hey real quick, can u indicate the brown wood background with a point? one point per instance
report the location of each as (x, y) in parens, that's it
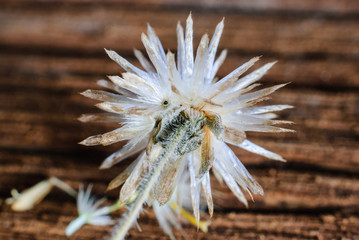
(52, 50)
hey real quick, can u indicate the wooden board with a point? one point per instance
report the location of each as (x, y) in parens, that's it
(50, 50)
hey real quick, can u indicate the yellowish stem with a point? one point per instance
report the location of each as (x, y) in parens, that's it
(203, 225)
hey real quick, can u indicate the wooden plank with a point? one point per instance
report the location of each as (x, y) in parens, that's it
(319, 73)
(77, 30)
(53, 216)
(286, 188)
(328, 6)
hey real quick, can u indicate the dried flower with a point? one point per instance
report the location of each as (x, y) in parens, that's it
(179, 118)
(89, 212)
(28, 198)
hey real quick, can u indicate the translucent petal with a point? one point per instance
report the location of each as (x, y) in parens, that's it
(195, 187)
(206, 186)
(156, 59)
(231, 183)
(245, 98)
(121, 178)
(132, 182)
(207, 154)
(188, 64)
(125, 64)
(162, 220)
(114, 87)
(108, 138)
(143, 60)
(101, 117)
(217, 64)
(265, 109)
(212, 51)
(234, 136)
(252, 77)
(166, 182)
(180, 50)
(200, 64)
(251, 147)
(104, 96)
(228, 80)
(132, 147)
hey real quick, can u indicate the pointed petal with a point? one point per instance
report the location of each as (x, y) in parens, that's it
(263, 128)
(265, 109)
(252, 77)
(251, 147)
(156, 42)
(188, 66)
(212, 50)
(132, 147)
(103, 96)
(156, 59)
(161, 218)
(180, 50)
(132, 182)
(207, 155)
(234, 136)
(195, 188)
(112, 86)
(199, 64)
(124, 63)
(144, 62)
(120, 108)
(252, 96)
(217, 64)
(206, 186)
(101, 117)
(108, 138)
(121, 178)
(231, 183)
(231, 78)
(167, 181)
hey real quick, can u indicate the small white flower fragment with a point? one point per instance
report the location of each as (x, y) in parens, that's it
(27, 199)
(180, 119)
(89, 212)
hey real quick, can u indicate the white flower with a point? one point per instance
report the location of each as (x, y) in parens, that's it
(182, 117)
(89, 212)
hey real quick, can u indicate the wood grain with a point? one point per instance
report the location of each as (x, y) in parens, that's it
(50, 50)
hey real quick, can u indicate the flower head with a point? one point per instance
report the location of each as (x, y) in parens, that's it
(89, 212)
(180, 118)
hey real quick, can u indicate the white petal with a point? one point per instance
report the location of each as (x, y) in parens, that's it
(231, 183)
(252, 77)
(195, 187)
(212, 51)
(228, 80)
(206, 185)
(251, 147)
(180, 50)
(188, 66)
(125, 64)
(265, 109)
(75, 225)
(217, 64)
(143, 60)
(162, 220)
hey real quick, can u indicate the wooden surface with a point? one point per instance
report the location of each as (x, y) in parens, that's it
(51, 50)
